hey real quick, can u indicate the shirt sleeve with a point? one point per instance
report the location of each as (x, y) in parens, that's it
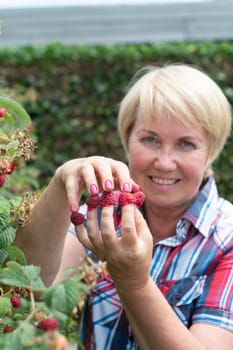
(215, 305)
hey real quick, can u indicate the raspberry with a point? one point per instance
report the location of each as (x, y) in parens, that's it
(77, 218)
(8, 329)
(109, 198)
(49, 324)
(2, 180)
(2, 112)
(126, 198)
(92, 201)
(15, 301)
(139, 198)
(7, 167)
(18, 290)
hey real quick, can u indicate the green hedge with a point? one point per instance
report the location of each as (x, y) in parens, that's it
(72, 94)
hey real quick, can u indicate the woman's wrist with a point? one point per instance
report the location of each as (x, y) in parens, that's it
(133, 288)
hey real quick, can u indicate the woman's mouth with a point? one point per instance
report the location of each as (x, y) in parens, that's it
(161, 181)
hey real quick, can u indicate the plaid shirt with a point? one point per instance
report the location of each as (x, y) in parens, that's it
(193, 270)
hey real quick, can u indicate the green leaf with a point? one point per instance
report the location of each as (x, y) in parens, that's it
(7, 123)
(3, 256)
(5, 305)
(27, 335)
(13, 278)
(31, 271)
(63, 296)
(16, 115)
(4, 206)
(12, 341)
(9, 342)
(22, 276)
(16, 254)
(4, 217)
(7, 235)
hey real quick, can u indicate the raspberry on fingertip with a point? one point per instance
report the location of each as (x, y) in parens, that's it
(126, 198)
(77, 218)
(92, 201)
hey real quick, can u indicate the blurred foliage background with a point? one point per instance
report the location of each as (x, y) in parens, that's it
(72, 95)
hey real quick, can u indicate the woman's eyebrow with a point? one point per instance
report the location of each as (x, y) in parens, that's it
(182, 137)
(149, 131)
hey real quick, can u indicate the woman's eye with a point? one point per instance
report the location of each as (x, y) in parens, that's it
(149, 139)
(187, 145)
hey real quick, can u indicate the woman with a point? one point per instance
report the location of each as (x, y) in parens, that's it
(170, 282)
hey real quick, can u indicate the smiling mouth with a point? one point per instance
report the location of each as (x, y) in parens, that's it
(160, 181)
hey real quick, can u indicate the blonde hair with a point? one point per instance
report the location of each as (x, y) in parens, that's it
(187, 93)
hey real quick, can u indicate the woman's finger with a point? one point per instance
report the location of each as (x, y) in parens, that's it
(122, 178)
(109, 236)
(83, 237)
(129, 232)
(112, 174)
(93, 231)
(73, 192)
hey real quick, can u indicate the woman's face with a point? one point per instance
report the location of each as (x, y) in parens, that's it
(168, 160)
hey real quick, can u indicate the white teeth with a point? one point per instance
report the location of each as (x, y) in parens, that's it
(163, 181)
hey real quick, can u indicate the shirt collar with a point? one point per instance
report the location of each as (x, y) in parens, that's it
(202, 210)
(200, 214)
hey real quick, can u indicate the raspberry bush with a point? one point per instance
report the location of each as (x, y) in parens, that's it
(32, 316)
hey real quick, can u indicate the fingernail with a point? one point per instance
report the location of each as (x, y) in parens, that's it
(108, 185)
(93, 189)
(126, 187)
(73, 208)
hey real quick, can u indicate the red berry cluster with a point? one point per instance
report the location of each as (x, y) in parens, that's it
(48, 324)
(109, 198)
(8, 329)
(23, 151)
(2, 180)
(6, 168)
(15, 301)
(112, 197)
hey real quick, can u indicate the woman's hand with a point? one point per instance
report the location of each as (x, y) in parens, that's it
(128, 257)
(95, 174)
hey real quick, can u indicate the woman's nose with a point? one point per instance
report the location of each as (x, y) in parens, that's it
(165, 159)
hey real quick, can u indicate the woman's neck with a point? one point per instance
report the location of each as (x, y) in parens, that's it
(162, 223)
